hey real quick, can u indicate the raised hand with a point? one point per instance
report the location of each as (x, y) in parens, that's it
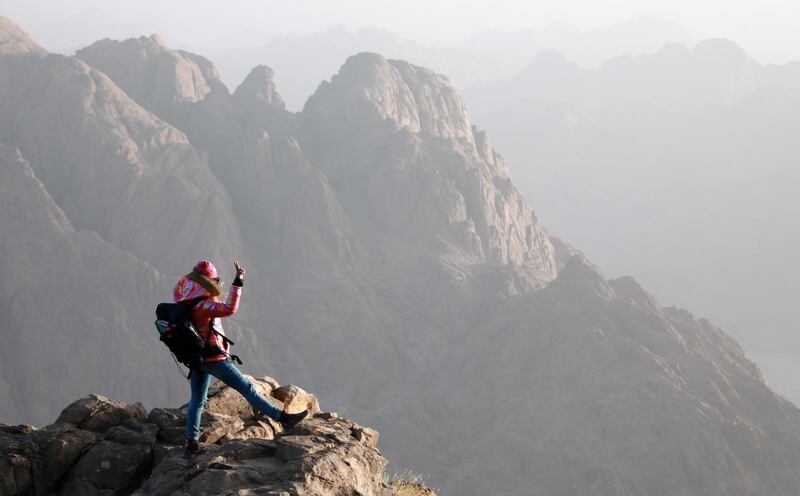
(240, 272)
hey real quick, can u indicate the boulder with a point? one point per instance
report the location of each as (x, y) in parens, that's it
(171, 423)
(256, 429)
(32, 461)
(296, 399)
(366, 435)
(228, 401)
(97, 413)
(133, 434)
(216, 426)
(109, 468)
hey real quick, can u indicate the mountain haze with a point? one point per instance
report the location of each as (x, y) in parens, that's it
(301, 62)
(393, 268)
(689, 152)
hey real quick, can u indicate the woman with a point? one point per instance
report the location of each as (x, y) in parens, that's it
(206, 315)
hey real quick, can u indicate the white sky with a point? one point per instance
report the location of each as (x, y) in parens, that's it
(768, 29)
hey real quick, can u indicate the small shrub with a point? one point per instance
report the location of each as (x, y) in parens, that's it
(409, 484)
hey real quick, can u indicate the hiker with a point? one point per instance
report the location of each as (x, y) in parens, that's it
(205, 314)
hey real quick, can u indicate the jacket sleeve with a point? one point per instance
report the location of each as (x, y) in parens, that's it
(209, 309)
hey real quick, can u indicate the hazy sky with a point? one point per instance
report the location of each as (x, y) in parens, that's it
(768, 29)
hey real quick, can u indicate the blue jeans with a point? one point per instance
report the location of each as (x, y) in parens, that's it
(227, 372)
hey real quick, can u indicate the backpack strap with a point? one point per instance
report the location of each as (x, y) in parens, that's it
(235, 358)
(194, 301)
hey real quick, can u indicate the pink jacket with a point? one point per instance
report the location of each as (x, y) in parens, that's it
(208, 311)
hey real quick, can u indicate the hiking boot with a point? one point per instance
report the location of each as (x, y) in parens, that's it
(193, 447)
(289, 420)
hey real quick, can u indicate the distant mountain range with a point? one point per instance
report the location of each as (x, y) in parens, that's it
(301, 62)
(394, 269)
(678, 166)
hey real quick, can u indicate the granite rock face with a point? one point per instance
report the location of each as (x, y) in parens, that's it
(112, 166)
(155, 76)
(55, 276)
(386, 127)
(382, 127)
(103, 447)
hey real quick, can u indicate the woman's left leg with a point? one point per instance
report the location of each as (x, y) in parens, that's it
(227, 372)
(199, 385)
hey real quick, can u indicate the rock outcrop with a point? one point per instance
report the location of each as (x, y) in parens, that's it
(99, 446)
(258, 87)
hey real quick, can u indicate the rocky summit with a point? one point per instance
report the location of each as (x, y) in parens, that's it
(102, 447)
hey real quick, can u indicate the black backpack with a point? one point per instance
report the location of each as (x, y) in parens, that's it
(175, 329)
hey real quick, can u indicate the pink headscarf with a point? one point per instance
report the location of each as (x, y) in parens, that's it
(191, 286)
(207, 269)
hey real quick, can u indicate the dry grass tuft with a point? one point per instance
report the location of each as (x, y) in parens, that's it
(409, 484)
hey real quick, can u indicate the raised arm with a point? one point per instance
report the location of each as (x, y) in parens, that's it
(211, 309)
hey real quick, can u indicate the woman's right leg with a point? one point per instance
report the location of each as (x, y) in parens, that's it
(199, 384)
(230, 375)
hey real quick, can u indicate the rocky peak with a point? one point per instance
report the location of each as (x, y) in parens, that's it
(14, 40)
(258, 86)
(151, 73)
(394, 93)
(400, 135)
(99, 446)
(157, 39)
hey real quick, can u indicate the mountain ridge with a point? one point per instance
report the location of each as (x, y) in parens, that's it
(710, 126)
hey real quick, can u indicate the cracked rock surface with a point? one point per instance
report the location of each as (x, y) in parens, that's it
(102, 447)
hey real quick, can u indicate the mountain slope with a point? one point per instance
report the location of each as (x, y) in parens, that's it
(108, 163)
(103, 171)
(72, 306)
(672, 166)
(610, 393)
